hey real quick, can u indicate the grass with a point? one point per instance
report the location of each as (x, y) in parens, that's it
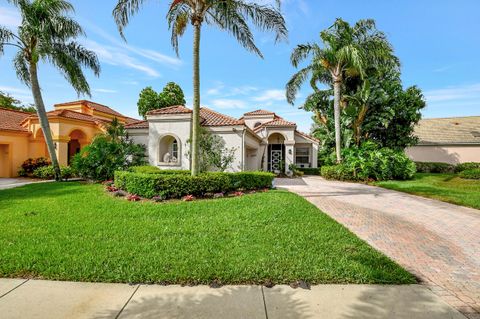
(445, 187)
(73, 231)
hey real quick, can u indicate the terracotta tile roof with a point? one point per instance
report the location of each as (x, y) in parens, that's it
(95, 106)
(138, 124)
(212, 118)
(74, 115)
(454, 130)
(259, 112)
(177, 109)
(307, 136)
(129, 120)
(11, 120)
(277, 121)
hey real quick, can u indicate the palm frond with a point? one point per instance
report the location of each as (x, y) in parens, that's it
(295, 83)
(80, 54)
(21, 68)
(178, 17)
(227, 18)
(123, 11)
(6, 36)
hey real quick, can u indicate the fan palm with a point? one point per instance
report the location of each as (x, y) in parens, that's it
(47, 34)
(230, 15)
(347, 51)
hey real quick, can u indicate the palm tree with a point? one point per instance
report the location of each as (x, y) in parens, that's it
(230, 15)
(347, 51)
(47, 34)
(357, 106)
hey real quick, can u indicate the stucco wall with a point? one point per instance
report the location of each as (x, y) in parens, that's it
(175, 125)
(233, 139)
(14, 154)
(444, 154)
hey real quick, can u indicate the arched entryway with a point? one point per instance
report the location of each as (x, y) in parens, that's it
(75, 143)
(169, 150)
(276, 153)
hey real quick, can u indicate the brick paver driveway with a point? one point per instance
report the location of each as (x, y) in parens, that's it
(436, 241)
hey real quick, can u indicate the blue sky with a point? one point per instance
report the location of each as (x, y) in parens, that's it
(437, 41)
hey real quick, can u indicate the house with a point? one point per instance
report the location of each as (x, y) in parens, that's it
(449, 140)
(72, 124)
(262, 140)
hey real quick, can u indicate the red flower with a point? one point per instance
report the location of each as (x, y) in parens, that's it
(133, 198)
(111, 189)
(188, 198)
(238, 193)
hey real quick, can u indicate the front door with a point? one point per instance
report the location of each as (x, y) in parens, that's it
(276, 158)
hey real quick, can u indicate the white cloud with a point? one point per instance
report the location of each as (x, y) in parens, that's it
(14, 90)
(9, 17)
(116, 56)
(454, 93)
(104, 91)
(270, 95)
(221, 89)
(228, 104)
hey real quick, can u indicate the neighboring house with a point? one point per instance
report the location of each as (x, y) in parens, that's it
(262, 140)
(73, 125)
(449, 140)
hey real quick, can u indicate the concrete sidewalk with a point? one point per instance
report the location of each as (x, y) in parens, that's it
(21, 298)
(6, 183)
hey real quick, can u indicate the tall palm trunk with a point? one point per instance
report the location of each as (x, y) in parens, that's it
(196, 97)
(336, 115)
(42, 115)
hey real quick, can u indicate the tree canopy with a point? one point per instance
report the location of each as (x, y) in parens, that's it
(9, 102)
(149, 99)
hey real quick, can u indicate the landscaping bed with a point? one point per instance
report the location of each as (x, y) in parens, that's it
(76, 231)
(445, 187)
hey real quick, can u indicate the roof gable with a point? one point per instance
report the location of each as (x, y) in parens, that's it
(213, 118)
(92, 105)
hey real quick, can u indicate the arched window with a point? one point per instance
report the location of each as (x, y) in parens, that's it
(257, 124)
(169, 150)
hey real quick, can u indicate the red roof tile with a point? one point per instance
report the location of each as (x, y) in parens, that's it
(11, 120)
(138, 124)
(212, 118)
(278, 121)
(258, 112)
(176, 109)
(94, 106)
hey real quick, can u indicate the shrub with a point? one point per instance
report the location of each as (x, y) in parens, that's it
(179, 185)
(470, 173)
(466, 166)
(32, 164)
(310, 170)
(105, 155)
(47, 172)
(295, 170)
(337, 172)
(147, 169)
(434, 167)
(370, 162)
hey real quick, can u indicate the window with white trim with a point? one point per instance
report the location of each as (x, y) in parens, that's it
(302, 155)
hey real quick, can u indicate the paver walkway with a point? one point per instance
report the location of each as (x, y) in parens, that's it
(6, 183)
(438, 242)
(21, 299)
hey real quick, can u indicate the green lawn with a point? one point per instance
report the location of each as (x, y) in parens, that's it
(73, 231)
(444, 187)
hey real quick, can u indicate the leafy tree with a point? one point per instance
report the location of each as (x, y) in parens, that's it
(147, 101)
(47, 33)
(108, 153)
(213, 153)
(9, 102)
(375, 109)
(231, 15)
(171, 95)
(346, 51)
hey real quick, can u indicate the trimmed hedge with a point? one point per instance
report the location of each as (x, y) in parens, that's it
(179, 185)
(309, 171)
(434, 167)
(470, 173)
(466, 166)
(47, 172)
(147, 169)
